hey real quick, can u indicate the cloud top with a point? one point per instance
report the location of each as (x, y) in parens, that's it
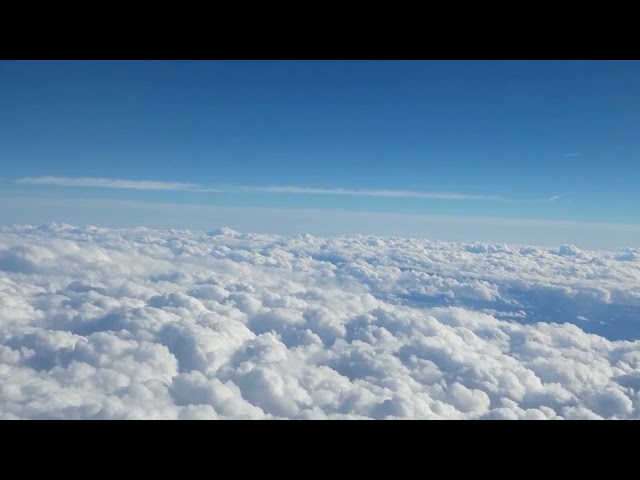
(138, 323)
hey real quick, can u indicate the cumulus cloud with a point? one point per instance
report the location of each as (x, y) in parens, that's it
(139, 323)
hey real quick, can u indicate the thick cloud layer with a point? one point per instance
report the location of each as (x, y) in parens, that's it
(103, 323)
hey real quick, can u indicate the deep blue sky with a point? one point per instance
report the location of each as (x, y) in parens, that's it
(524, 131)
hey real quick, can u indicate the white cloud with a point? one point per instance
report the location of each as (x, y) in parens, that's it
(107, 183)
(369, 193)
(157, 185)
(138, 323)
(577, 154)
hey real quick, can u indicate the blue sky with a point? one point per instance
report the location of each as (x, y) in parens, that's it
(528, 140)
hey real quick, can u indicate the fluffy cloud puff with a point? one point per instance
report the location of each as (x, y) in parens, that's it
(138, 323)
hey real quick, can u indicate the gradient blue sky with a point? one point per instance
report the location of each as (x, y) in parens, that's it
(527, 140)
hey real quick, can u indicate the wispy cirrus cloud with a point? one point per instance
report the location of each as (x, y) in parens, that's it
(369, 193)
(275, 189)
(559, 196)
(576, 154)
(108, 183)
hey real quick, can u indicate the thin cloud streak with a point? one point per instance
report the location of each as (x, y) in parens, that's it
(371, 193)
(559, 196)
(108, 183)
(192, 187)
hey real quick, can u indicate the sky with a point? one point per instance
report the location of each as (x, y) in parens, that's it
(525, 151)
